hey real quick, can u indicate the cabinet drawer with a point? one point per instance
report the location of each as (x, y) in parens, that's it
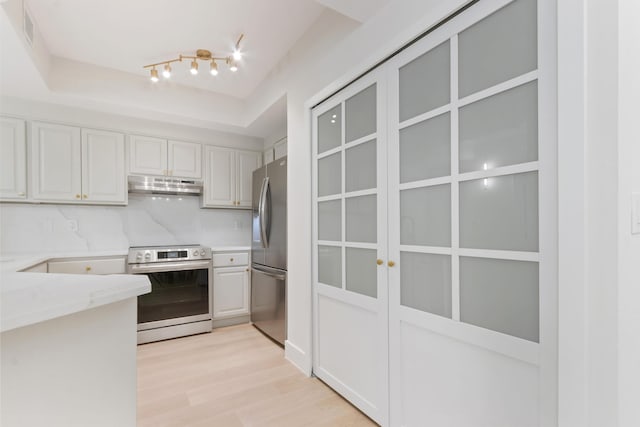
(230, 259)
(89, 266)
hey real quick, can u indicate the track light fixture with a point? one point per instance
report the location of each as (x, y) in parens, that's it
(201, 55)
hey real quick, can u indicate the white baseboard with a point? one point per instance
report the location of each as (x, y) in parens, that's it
(297, 357)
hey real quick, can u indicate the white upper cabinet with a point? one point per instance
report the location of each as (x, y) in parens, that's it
(247, 162)
(219, 177)
(156, 156)
(147, 155)
(228, 176)
(103, 167)
(185, 159)
(13, 159)
(280, 149)
(73, 165)
(56, 169)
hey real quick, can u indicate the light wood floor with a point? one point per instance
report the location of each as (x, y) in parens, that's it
(232, 377)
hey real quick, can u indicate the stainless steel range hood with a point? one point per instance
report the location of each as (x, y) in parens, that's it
(158, 185)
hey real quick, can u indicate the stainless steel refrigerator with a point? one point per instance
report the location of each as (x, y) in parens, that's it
(269, 250)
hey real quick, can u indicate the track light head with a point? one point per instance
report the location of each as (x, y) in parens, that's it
(166, 73)
(154, 75)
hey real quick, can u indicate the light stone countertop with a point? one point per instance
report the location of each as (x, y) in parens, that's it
(230, 248)
(29, 298)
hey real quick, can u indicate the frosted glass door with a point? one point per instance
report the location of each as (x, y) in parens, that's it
(350, 293)
(434, 226)
(465, 208)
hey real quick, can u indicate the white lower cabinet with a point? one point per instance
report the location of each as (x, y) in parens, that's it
(230, 289)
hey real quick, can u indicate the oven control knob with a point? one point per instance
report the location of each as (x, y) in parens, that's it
(139, 256)
(202, 252)
(147, 255)
(195, 252)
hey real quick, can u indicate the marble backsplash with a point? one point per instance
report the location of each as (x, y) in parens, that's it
(147, 220)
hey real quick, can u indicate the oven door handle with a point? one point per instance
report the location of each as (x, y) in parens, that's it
(168, 266)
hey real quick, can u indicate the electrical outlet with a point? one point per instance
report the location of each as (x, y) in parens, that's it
(72, 224)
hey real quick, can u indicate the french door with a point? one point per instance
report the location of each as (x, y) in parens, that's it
(350, 235)
(444, 312)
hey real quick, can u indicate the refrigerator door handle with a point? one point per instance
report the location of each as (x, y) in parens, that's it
(262, 213)
(278, 276)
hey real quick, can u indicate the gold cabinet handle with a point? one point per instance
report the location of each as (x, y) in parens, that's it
(87, 269)
(77, 196)
(379, 262)
(391, 263)
(230, 259)
(84, 196)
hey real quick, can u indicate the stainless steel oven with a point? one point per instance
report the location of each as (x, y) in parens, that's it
(180, 301)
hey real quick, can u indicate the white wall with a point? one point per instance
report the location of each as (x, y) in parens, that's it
(599, 168)
(628, 244)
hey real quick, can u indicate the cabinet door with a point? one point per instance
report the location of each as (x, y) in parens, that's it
(103, 167)
(13, 159)
(55, 162)
(185, 159)
(147, 155)
(280, 149)
(247, 162)
(230, 292)
(219, 177)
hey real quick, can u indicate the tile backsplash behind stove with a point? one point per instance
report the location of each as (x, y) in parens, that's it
(146, 221)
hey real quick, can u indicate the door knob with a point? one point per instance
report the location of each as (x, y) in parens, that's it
(77, 196)
(391, 263)
(87, 269)
(379, 262)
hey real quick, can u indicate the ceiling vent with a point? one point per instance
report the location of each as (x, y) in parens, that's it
(29, 27)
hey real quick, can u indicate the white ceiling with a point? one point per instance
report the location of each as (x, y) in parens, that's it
(125, 35)
(91, 42)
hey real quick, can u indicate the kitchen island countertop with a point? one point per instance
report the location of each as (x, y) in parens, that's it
(29, 298)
